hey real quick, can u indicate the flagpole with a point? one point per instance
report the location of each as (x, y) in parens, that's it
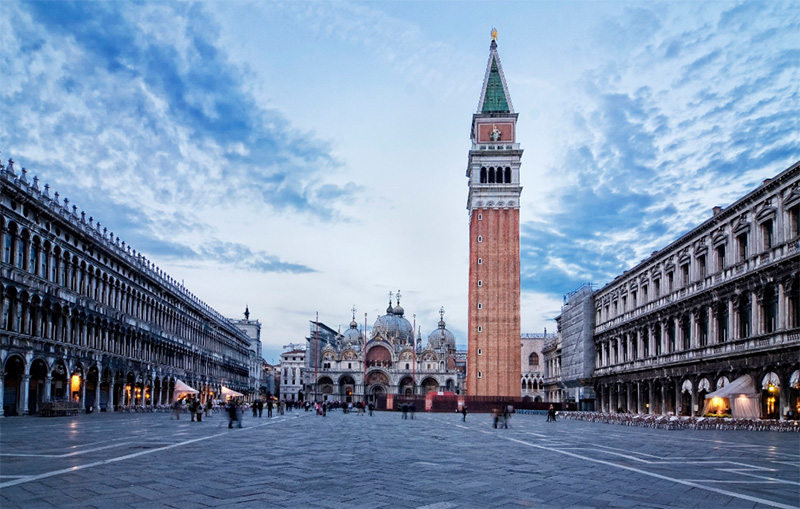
(316, 351)
(364, 357)
(414, 357)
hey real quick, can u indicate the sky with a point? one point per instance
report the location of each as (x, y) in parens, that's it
(310, 157)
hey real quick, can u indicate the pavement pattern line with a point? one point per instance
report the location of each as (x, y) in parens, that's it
(72, 469)
(66, 454)
(692, 484)
(741, 472)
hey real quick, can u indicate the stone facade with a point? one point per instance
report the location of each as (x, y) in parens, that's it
(719, 303)
(532, 362)
(85, 318)
(494, 271)
(253, 330)
(351, 368)
(292, 366)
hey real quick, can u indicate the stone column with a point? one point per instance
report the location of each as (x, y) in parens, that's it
(25, 390)
(711, 320)
(663, 398)
(628, 403)
(783, 400)
(110, 396)
(2, 393)
(97, 395)
(733, 329)
(48, 387)
(692, 411)
(783, 303)
(83, 390)
(755, 316)
(677, 398)
(694, 337)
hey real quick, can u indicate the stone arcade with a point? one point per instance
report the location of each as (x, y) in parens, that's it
(87, 319)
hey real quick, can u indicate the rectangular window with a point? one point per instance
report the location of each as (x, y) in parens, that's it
(624, 304)
(701, 267)
(720, 257)
(794, 221)
(685, 274)
(656, 288)
(741, 247)
(644, 295)
(670, 282)
(767, 233)
(634, 301)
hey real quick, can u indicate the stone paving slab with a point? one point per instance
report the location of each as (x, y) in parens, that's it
(348, 461)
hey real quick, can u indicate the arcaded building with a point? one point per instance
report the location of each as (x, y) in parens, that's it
(89, 320)
(719, 303)
(493, 202)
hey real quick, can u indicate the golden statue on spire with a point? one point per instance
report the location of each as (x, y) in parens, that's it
(494, 34)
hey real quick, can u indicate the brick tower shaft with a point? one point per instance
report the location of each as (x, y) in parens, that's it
(493, 357)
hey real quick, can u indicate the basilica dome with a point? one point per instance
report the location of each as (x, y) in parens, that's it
(352, 335)
(441, 337)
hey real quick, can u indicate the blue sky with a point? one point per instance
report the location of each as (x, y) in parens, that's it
(303, 157)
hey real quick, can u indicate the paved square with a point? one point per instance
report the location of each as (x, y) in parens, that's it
(351, 461)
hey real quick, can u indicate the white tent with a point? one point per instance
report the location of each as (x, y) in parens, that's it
(742, 398)
(230, 393)
(181, 389)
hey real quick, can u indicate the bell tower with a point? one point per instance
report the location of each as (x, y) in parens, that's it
(493, 358)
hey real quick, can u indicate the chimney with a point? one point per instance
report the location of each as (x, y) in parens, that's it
(716, 211)
(767, 181)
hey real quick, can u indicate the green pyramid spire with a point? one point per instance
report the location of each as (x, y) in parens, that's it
(495, 98)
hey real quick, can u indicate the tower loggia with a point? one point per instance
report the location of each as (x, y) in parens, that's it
(494, 274)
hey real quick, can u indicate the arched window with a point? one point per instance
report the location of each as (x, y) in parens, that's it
(508, 175)
(533, 359)
(483, 175)
(491, 176)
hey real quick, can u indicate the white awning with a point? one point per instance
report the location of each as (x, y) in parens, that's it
(230, 392)
(742, 385)
(182, 388)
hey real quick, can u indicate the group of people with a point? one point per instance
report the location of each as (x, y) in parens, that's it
(408, 408)
(323, 408)
(501, 416)
(195, 407)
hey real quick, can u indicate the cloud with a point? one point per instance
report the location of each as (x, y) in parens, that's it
(148, 125)
(648, 157)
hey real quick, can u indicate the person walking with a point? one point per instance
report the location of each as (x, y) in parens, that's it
(412, 408)
(551, 414)
(176, 410)
(371, 408)
(269, 408)
(260, 407)
(193, 408)
(404, 408)
(464, 413)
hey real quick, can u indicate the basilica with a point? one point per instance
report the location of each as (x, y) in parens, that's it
(389, 360)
